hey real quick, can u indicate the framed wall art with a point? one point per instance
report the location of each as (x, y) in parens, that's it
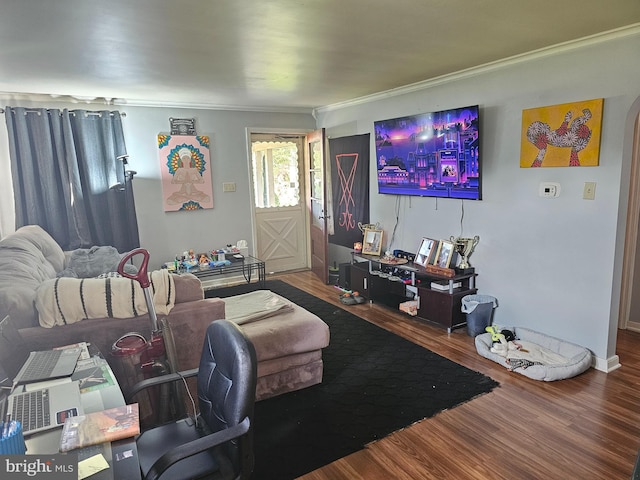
(565, 135)
(185, 172)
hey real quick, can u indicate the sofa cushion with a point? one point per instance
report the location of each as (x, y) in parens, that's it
(188, 288)
(287, 333)
(35, 240)
(64, 300)
(28, 257)
(277, 328)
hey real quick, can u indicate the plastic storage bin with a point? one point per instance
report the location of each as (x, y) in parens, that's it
(11, 439)
(479, 310)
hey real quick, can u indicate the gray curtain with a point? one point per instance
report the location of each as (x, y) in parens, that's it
(68, 179)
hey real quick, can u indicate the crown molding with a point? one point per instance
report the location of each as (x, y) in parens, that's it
(208, 106)
(615, 34)
(52, 99)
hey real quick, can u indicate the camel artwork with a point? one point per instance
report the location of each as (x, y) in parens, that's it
(562, 135)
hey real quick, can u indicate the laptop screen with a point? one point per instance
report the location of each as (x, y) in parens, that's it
(13, 351)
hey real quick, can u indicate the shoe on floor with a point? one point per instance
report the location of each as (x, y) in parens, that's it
(348, 300)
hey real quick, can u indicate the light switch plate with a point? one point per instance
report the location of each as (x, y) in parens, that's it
(589, 191)
(228, 186)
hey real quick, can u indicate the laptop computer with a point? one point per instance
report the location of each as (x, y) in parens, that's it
(38, 408)
(41, 409)
(25, 367)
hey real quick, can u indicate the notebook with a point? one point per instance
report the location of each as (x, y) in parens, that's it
(32, 367)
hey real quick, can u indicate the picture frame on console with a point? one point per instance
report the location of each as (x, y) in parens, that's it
(426, 251)
(444, 255)
(372, 242)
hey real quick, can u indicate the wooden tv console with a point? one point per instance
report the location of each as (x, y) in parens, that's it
(383, 283)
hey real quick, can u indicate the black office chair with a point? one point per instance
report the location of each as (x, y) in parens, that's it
(218, 444)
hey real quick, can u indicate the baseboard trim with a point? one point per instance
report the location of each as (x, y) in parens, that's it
(606, 365)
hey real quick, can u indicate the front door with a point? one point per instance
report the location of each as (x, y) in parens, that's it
(279, 207)
(316, 202)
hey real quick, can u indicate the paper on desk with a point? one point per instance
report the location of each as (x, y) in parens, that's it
(29, 387)
(84, 346)
(91, 465)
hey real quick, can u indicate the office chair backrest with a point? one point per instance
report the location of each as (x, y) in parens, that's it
(227, 384)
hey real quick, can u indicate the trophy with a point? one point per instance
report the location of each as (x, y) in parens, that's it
(369, 226)
(465, 246)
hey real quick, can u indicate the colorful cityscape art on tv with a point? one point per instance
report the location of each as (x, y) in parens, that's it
(430, 155)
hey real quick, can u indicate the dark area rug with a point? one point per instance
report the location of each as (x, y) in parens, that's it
(374, 383)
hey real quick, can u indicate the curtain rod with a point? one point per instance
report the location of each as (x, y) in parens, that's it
(122, 114)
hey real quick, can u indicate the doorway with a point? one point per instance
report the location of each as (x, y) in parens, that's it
(279, 209)
(629, 315)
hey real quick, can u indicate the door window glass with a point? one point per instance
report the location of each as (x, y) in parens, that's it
(276, 175)
(315, 174)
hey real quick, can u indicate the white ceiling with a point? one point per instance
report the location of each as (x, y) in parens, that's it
(265, 53)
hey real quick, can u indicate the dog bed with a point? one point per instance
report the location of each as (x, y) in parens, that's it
(547, 358)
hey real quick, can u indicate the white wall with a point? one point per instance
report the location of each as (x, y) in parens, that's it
(166, 234)
(550, 262)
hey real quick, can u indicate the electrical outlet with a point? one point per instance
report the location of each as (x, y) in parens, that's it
(228, 186)
(589, 191)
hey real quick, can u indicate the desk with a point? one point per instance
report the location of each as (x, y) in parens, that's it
(248, 266)
(121, 455)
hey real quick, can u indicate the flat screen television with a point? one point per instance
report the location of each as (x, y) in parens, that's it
(430, 155)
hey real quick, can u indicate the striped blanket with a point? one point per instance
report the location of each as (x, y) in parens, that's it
(62, 301)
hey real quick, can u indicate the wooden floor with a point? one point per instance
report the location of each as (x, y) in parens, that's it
(587, 427)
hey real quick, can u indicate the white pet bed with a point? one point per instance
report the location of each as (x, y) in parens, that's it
(564, 359)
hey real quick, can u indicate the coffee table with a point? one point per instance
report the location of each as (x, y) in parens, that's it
(249, 267)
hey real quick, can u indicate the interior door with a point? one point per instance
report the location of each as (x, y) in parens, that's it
(317, 202)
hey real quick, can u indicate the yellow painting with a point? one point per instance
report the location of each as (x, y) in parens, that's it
(566, 135)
